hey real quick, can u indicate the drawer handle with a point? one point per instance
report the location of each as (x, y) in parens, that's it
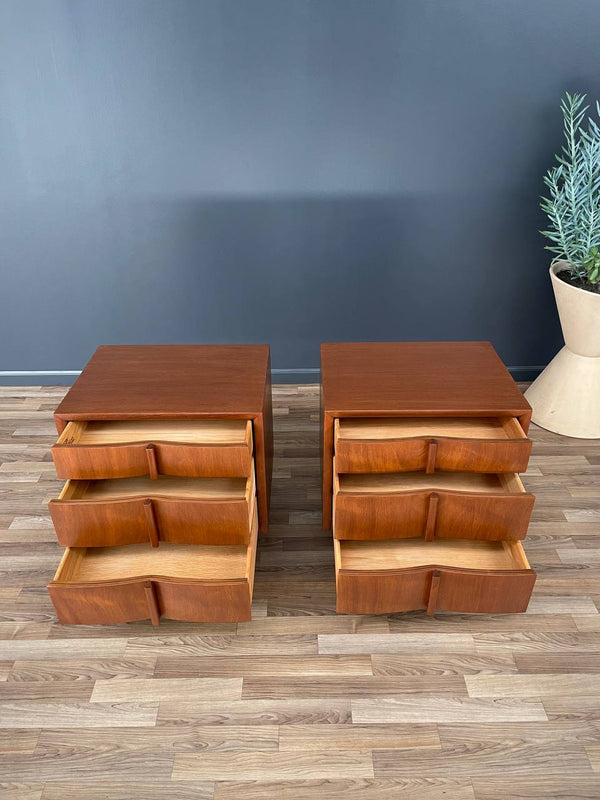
(431, 456)
(152, 602)
(151, 456)
(151, 520)
(433, 591)
(431, 517)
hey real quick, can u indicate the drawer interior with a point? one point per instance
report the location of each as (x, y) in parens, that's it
(197, 431)
(408, 427)
(406, 553)
(385, 483)
(163, 485)
(199, 562)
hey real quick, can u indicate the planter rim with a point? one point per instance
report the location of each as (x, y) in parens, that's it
(558, 266)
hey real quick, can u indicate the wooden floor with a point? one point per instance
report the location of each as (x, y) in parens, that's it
(301, 703)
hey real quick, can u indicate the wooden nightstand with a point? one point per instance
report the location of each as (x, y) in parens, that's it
(422, 443)
(167, 451)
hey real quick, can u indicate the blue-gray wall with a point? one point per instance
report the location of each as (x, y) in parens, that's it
(283, 171)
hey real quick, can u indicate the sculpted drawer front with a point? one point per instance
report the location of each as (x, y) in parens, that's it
(192, 583)
(103, 513)
(404, 575)
(407, 444)
(451, 505)
(202, 448)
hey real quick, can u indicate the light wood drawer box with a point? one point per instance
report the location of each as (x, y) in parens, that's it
(403, 444)
(201, 448)
(122, 511)
(447, 575)
(455, 505)
(192, 583)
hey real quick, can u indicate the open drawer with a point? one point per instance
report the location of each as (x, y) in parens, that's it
(449, 574)
(192, 583)
(403, 444)
(122, 511)
(201, 448)
(453, 505)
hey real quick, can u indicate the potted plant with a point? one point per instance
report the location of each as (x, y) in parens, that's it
(566, 396)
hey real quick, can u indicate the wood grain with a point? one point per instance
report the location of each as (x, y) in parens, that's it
(427, 738)
(451, 709)
(355, 789)
(273, 766)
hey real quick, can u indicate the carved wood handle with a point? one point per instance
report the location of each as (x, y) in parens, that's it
(151, 456)
(152, 602)
(433, 591)
(431, 456)
(151, 520)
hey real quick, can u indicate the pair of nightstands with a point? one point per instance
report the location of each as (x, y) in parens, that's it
(167, 452)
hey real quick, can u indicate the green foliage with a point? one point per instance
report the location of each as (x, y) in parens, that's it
(573, 202)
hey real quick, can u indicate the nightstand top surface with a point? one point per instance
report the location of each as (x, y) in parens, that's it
(157, 381)
(417, 378)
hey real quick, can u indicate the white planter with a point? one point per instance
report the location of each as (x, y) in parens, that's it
(566, 397)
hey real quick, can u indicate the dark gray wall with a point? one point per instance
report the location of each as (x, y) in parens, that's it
(283, 171)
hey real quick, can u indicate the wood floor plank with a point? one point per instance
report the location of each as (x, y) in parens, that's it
(126, 790)
(174, 738)
(247, 666)
(442, 665)
(362, 686)
(509, 758)
(273, 766)
(88, 764)
(397, 643)
(82, 669)
(22, 649)
(32, 714)
(256, 712)
(321, 738)
(532, 685)
(353, 789)
(311, 624)
(555, 663)
(585, 732)
(45, 690)
(192, 645)
(455, 623)
(144, 690)
(488, 644)
(137, 630)
(560, 707)
(377, 710)
(559, 787)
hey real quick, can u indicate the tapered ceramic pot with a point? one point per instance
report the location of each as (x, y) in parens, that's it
(566, 396)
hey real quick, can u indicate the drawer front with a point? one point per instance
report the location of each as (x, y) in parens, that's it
(224, 601)
(440, 514)
(140, 599)
(434, 589)
(430, 454)
(101, 604)
(92, 523)
(128, 460)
